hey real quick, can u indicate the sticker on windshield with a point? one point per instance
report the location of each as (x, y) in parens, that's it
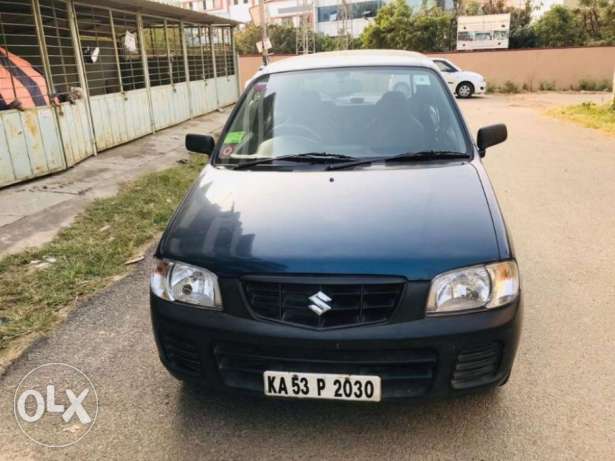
(227, 151)
(421, 79)
(234, 137)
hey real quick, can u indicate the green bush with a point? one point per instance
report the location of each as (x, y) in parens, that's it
(509, 87)
(587, 85)
(594, 85)
(547, 86)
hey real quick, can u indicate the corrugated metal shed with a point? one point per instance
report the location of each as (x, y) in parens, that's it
(81, 76)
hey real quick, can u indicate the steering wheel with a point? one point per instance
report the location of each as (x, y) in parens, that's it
(292, 129)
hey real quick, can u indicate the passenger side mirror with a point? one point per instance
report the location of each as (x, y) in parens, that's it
(490, 136)
(201, 143)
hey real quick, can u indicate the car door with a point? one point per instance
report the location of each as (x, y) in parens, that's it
(449, 73)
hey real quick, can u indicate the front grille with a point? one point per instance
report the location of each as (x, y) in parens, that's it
(181, 353)
(477, 365)
(404, 373)
(351, 303)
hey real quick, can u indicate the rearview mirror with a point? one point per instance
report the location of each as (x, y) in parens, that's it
(490, 136)
(201, 143)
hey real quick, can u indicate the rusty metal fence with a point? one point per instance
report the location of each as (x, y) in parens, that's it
(79, 76)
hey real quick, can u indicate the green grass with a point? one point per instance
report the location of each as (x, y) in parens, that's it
(89, 254)
(601, 117)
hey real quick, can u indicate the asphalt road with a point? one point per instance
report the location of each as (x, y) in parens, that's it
(556, 184)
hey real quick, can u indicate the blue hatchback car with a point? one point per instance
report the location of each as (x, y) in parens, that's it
(344, 241)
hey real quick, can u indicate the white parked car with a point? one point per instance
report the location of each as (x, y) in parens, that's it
(463, 83)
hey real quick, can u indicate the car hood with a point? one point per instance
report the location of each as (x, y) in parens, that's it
(466, 74)
(413, 221)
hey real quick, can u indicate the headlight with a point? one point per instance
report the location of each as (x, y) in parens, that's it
(488, 286)
(175, 281)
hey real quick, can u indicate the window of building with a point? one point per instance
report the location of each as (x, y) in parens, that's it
(356, 11)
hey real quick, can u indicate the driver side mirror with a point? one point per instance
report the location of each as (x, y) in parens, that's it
(490, 136)
(200, 143)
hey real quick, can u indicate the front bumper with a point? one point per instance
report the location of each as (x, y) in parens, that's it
(430, 357)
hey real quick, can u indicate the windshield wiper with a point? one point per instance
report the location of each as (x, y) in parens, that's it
(427, 155)
(405, 157)
(307, 156)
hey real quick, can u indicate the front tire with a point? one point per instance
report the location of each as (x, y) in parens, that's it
(465, 90)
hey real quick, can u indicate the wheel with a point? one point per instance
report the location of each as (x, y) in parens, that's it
(465, 90)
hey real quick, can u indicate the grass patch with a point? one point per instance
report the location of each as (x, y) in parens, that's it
(601, 117)
(37, 284)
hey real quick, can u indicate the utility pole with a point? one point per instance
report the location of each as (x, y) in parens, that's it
(305, 41)
(264, 40)
(343, 16)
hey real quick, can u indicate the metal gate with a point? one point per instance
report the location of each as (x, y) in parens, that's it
(167, 72)
(114, 74)
(30, 143)
(225, 66)
(200, 69)
(69, 97)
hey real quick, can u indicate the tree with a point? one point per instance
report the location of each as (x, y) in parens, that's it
(522, 34)
(597, 18)
(283, 40)
(390, 28)
(559, 27)
(431, 30)
(396, 27)
(246, 39)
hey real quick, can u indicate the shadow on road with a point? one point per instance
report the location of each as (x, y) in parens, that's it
(199, 408)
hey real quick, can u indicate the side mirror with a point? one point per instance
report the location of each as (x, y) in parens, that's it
(201, 143)
(490, 136)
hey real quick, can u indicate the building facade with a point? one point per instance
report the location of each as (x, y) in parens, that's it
(237, 10)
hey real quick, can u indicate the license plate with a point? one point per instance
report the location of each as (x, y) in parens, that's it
(322, 386)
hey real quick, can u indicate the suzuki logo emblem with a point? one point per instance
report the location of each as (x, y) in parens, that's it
(319, 301)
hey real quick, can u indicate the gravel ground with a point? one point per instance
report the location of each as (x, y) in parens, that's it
(555, 182)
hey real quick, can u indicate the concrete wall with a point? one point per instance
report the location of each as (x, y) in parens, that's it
(248, 65)
(563, 66)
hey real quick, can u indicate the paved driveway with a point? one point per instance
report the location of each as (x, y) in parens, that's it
(556, 184)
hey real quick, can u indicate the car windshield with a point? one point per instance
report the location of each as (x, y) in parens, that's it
(357, 113)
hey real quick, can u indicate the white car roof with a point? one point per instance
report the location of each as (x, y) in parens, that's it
(350, 58)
